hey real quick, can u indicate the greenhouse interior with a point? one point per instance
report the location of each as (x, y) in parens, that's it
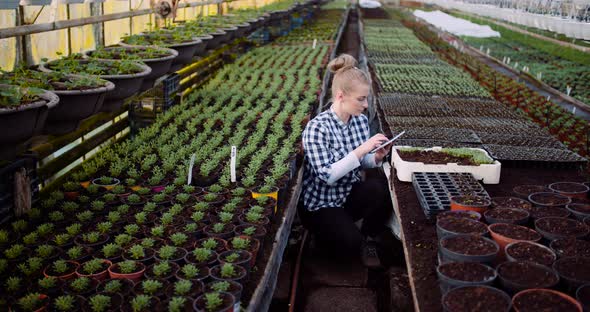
(295, 155)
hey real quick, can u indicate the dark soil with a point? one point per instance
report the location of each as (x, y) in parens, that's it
(584, 296)
(516, 232)
(476, 299)
(510, 202)
(538, 212)
(549, 199)
(526, 190)
(526, 251)
(569, 187)
(466, 271)
(562, 226)
(471, 200)
(462, 226)
(577, 268)
(527, 274)
(456, 214)
(471, 245)
(542, 301)
(571, 247)
(431, 157)
(507, 214)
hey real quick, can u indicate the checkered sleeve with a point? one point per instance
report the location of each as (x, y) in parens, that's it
(324, 164)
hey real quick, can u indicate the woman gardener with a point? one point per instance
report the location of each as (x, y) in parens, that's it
(336, 146)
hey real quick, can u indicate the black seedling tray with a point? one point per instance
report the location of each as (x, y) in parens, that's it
(435, 189)
(535, 157)
(441, 134)
(519, 140)
(431, 143)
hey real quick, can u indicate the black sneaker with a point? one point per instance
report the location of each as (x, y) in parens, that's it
(369, 255)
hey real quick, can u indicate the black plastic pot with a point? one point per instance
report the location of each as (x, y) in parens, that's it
(202, 48)
(242, 29)
(472, 298)
(74, 106)
(19, 124)
(159, 66)
(548, 276)
(186, 51)
(450, 255)
(572, 280)
(217, 40)
(231, 32)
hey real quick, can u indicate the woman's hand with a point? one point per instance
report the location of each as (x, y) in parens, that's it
(369, 145)
(382, 152)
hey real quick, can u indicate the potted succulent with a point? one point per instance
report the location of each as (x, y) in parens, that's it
(126, 75)
(185, 288)
(157, 58)
(104, 302)
(215, 302)
(96, 269)
(212, 243)
(143, 303)
(66, 303)
(228, 271)
(80, 286)
(202, 257)
(192, 272)
(150, 287)
(61, 269)
(129, 269)
(139, 253)
(116, 286)
(164, 270)
(231, 287)
(31, 302)
(179, 304)
(221, 230)
(23, 113)
(92, 239)
(238, 257)
(251, 230)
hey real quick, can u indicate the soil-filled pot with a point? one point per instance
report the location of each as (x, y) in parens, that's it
(209, 262)
(169, 275)
(553, 228)
(570, 189)
(221, 245)
(233, 288)
(155, 304)
(115, 272)
(548, 199)
(114, 305)
(41, 303)
(126, 85)
(226, 233)
(242, 258)
(100, 275)
(453, 226)
(202, 276)
(240, 274)
(546, 300)
(570, 247)
(573, 271)
(505, 233)
(470, 202)
(456, 274)
(178, 256)
(506, 215)
(69, 274)
(468, 248)
(186, 50)
(580, 211)
(520, 275)
(74, 106)
(473, 215)
(510, 202)
(124, 287)
(529, 251)
(227, 303)
(538, 212)
(476, 298)
(259, 232)
(196, 290)
(583, 296)
(147, 259)
(202, 48)
(103, 239)
(20, 123)
(160, 63)
(523, 191)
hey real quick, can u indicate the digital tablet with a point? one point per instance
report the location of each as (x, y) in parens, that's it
(388, 142)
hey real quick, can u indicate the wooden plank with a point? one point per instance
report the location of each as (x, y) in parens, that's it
(57, 25)
(262, 296)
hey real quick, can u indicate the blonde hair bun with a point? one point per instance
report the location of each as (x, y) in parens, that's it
(342, 62)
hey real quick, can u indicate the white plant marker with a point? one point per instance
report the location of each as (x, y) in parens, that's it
(568, 90)
(315, 42)
(574, 110)
(190, 169)
(233, 163)
(539, 76)
(481, 47)
(508, 61)
(488, 51)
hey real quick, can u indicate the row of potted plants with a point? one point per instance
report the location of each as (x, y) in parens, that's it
(129, 210)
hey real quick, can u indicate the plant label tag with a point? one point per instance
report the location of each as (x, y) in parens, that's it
(233, 164)
(574, 111)
(548, 98)
(568, 90)
(508, 61)
(488, 51)
(481, 48)
(315, 42)
(190, 169)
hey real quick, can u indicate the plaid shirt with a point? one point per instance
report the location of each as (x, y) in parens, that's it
(327, 140)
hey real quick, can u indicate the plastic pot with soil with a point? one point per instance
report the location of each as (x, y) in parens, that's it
(23, 113)
(453, 226)
(505, 233)
(468, 248)
(520, 275)
(529, 251)
(456, 274)
(547, 300)
(470, 202)
(547, 199)
(579, 210)
(570, 189)
(506, 215)
(524, 191)
(473, 215)
(570, 247)
(510, 202)
(476, 298)
(553, 228)
(157, 58)
(215, 302)
(538, 212)
(573, 271)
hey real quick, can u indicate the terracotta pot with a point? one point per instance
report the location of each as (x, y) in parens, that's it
(517, 306)
(135, 277)
(96, 276)
(503, 240)
(64, 277)
(456, 204)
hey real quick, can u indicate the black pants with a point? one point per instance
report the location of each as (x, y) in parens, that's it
(334, 227)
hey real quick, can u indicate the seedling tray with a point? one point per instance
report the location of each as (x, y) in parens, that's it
(443, 134)
(531, 157)
(434, 189)
(490, 174)
(519, 140)
(441, 143)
